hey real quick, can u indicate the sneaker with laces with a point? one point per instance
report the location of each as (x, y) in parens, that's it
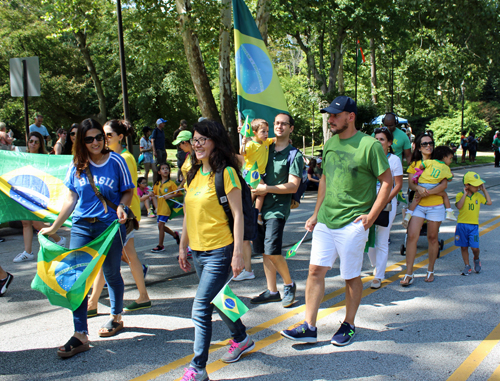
(151, 214)
(157, 249)
(301, 332)
(467, 270)
(289, 295)
(4, 283)
(244, 275)
(344, 335)
(477, 265)
(451, 216)
(145, 269)
(62, 242)
(191, 374)
(406, 220)
(23, 257)
(266, 297)
(237, 349)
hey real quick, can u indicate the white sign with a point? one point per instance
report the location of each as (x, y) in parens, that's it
(16, 76)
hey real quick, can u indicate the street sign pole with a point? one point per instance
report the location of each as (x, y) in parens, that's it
(25, 95)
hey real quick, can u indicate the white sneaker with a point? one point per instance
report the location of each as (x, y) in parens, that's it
(451, 216)
(62, 242)
(245, 275)
(23, 257)
(406, 220)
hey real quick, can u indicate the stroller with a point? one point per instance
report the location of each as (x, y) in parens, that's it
(423, 231)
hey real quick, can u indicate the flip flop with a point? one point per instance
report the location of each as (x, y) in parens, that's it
(112, 327)
(72, 347)
(429, 273)
(407, 280)
(134, 306)
(91, 313)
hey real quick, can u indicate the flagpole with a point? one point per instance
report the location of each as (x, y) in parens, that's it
(356, 75)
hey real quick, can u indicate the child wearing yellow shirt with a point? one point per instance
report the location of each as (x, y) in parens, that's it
(467, 232)
(257, 150)
(429, 175)
(164, 189)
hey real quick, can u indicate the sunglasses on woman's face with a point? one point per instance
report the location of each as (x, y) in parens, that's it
(72, 133)
(90, 139)
(425, 144)
(33, 142)
(380, 129)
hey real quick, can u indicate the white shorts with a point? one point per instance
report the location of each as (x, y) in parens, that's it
(347, 243)
(430, 213)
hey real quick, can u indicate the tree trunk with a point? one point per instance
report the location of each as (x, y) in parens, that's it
(373, 71)
(197, 68)
(335, 58)
(311, 64)
(81, 39)
(263, 12)
(226, 98)
(341, 76)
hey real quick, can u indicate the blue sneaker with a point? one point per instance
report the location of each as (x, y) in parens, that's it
(344, 335)
(477, 265)
(145, 269)
(301, 333)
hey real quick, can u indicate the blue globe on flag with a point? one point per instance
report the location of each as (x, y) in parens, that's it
(254, 69)
(71, 267)
(29, 191)
(255, 175)
(229, 303)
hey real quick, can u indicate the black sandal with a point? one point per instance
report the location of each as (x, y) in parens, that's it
(112, 327)
(72, 347)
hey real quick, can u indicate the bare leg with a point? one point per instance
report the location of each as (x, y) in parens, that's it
(476, 253)
(96, 291)
(465, 255)
(432, 237)
(161, 232)
(3, 273)
(166, 229)
(247, 255)
(411, 242)
(136, 268)
(353, 293)
(27, 236)
(315, 290)
(273, 264)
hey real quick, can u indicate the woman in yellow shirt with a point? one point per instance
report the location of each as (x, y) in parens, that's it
(216, 248)
(430, 208)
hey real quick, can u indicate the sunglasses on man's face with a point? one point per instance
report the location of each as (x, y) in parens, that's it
(90, 139)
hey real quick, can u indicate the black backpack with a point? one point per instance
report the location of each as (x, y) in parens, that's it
(303, 182)
(250, 214)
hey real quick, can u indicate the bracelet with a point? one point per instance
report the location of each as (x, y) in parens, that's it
(122, 205)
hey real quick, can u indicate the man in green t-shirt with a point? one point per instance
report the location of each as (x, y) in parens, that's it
(282, 179)
(496, 144)
(346, 208)
(401, 144)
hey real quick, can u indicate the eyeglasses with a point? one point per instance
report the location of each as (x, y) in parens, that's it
(425, 144)
(33, 142)
(281, 124)
(200, 141)
(380, 129)
(144, 183)
(90, 139)
(109, 135)
(72, 133)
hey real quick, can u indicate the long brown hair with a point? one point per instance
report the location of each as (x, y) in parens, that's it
(81, 155)
(41, 147)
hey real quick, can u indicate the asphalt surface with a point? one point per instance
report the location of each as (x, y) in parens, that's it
(448, 329)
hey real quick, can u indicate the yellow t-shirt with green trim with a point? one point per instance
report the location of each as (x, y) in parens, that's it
(256, 152)
(186, 166)
(206, 222)
(434, 172)
(132, 167)
(432, 200)
(469, 214)
(161, 189)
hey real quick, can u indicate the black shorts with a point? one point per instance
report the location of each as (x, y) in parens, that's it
(270, 237)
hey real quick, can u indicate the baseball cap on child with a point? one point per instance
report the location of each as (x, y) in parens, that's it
(473, 179)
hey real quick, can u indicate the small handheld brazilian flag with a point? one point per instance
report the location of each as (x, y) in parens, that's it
(293, 250)
(401, 198)
(246, 130)
(229, 304)
(252, 177)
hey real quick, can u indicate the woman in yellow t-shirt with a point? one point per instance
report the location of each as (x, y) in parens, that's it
(116, 131)
(430, 208)
(216, 248)
(183, 141)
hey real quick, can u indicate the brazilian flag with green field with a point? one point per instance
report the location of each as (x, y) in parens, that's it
(65, 276)
(258, 87)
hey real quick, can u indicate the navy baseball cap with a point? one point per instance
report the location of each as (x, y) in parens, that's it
(340, 104)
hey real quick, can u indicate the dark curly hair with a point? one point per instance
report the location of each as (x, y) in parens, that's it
(223, 154)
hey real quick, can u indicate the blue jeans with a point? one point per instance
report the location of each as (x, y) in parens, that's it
(82, 233)
(212, 268)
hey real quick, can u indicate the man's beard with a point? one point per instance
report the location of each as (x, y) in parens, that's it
(339, 131)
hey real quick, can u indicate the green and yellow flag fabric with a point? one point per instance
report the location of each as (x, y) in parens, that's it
(65, 277)
(32, 186)
(176, 208)
(257, 84)
(293, 250)
(252, 177)
(246, 130)
(229, 304)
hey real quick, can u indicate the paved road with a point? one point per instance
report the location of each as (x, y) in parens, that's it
(448, 329)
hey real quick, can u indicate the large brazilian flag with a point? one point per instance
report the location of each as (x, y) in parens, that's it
(65, 277)
(32, 186)
(258, 87)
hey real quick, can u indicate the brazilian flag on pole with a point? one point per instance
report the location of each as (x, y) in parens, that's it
(258, 87)
(176, 208)
(246, 130)
(65, 277)
(229, 304)
(32, 186)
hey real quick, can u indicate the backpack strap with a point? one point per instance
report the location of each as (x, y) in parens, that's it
(222, 197)
(96, 191)
(291, 157)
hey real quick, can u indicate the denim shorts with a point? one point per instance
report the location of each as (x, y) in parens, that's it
(430, 213)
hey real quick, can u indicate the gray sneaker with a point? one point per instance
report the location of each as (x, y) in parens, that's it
(237, 349)
(266, 297)
(477, 265)
(289, 296)
(467, 270)
(191, 374)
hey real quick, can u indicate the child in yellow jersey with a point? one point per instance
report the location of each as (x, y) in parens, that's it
(429, 175)
(256, 150)
(161, 189)
(467, 232)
